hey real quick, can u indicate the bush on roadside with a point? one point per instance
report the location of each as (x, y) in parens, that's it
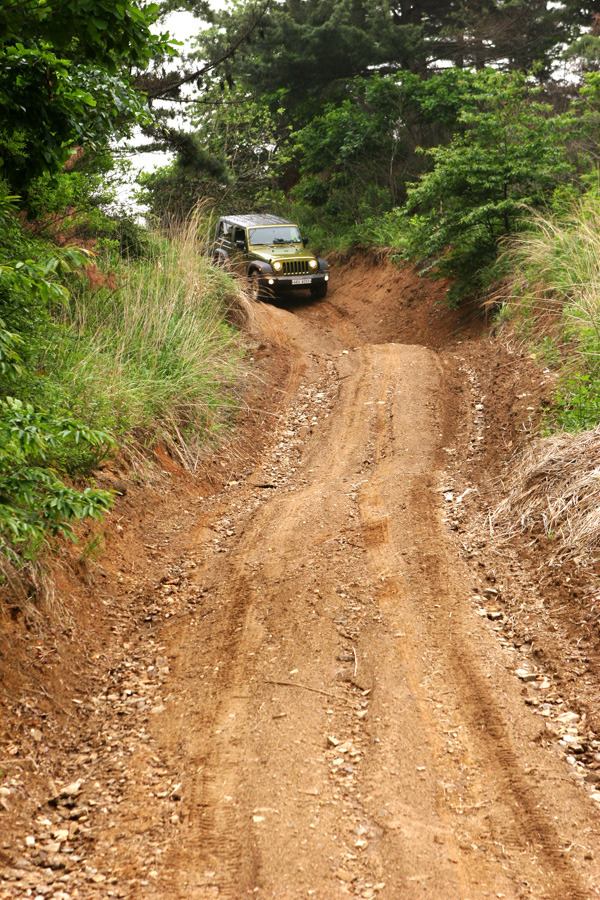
(508, 156)
(555, 279)
(134, 348)
(36, 502)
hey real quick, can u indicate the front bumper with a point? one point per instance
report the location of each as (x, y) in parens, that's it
(282, 283)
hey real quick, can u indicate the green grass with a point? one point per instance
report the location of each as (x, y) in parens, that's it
(555, 300)
(136, 352)
(149, 353)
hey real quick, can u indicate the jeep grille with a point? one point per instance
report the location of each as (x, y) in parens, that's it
(296, 267)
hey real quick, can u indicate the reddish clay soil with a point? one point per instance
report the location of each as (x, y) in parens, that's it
(312, 670)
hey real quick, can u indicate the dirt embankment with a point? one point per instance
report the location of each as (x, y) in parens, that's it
(312, 671)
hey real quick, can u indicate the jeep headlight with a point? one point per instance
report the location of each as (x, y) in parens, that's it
(277, 266)
(313, 263)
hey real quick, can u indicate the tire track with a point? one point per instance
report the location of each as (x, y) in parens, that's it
(435, 800)
(476, 706)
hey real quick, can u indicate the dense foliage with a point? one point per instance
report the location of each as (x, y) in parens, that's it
(37, 446)
(127, 341)
(65, 79)
(554, 300)
(433, 126)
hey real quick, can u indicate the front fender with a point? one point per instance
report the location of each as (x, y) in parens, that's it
(323, 264)
(258, 265)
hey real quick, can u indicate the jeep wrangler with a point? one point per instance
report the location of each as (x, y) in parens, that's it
(271, 254)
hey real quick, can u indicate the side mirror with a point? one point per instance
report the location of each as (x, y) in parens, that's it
(305, 241)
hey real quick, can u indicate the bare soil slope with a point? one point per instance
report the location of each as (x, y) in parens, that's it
(322, 687)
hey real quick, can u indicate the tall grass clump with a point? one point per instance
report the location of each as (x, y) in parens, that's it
(146, 349)
(555, 291)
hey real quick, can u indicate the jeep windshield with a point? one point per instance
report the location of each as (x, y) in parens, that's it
(274, 234)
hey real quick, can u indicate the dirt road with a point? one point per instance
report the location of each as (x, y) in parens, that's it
(326, 712)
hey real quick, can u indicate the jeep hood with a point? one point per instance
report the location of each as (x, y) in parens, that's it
(280, 251)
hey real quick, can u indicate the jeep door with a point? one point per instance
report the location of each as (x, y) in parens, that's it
(239, 250)
(221, 248)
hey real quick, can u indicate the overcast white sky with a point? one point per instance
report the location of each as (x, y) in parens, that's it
(182, 26)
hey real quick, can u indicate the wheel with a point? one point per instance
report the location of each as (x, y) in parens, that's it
(319, 290)
(220, 259)
(256, 289)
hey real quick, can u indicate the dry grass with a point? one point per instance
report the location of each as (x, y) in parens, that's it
(555, 490)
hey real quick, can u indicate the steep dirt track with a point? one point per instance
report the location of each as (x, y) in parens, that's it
(348, 725)
(329, 716)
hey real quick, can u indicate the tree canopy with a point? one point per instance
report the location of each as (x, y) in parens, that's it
(66, 78)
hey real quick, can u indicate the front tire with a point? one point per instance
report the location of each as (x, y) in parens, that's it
(255, 288)
(223, 261)
(318, 291)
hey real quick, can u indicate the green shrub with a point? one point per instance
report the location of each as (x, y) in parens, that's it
(576, 403)
(136, 347)
(508, 156)
(555, 288)
(35, 503)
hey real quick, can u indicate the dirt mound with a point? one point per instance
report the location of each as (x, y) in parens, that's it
(372, 300)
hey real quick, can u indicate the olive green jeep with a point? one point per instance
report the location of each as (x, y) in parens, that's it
(271, 254)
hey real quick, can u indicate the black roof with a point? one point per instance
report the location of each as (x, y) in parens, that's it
(254, 220)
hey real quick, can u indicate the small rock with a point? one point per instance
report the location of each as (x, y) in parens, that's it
(176, 792)
(72, 789)
(526, 676)
(22, 863)
(573, 742)
(78, 812)
(344, 875)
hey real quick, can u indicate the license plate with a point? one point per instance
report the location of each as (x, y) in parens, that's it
(300, 280)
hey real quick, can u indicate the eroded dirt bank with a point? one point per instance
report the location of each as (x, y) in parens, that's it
(313, 690)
